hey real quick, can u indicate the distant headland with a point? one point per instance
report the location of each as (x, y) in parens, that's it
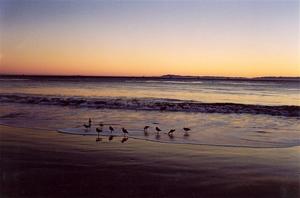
(163, 77)
(264, 78)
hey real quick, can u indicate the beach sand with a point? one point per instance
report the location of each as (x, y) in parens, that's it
(41, 163)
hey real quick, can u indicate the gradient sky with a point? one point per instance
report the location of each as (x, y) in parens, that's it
(149, 38)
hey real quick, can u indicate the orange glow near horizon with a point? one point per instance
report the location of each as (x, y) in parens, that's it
(117, 42)
(146, 62)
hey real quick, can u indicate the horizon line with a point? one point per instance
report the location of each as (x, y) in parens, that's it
(144, 76)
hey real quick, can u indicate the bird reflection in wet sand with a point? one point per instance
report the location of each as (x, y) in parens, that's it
(157, 136)
(98, 139)
(124, 139)
(111, 137)
(111, 129)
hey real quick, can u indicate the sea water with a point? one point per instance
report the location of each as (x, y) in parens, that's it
(250, 113)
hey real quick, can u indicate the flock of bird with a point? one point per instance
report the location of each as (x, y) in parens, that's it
(125, 132)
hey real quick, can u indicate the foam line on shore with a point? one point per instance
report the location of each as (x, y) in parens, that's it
(154, 104)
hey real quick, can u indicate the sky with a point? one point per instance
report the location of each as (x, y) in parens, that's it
(244, 38)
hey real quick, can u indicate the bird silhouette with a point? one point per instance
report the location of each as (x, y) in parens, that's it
(111, 129)
(170, 133)
(146, 128)
(98, 131)
(88, 126)
(125, 131)
(186, 130)
(157, 130)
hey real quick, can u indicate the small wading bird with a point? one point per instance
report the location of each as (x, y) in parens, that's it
(111, 129)
(88, 126)
(170, 133)
(157, 136)
(186, 130)
(99, 130)
(146, 130)
(125, 132)
(157, 130)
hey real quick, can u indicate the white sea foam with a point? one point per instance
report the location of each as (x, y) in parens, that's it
(157, 104)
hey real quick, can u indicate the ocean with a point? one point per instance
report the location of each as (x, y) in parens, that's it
(219, 112)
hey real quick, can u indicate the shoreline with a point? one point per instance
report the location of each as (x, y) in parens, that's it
(150, 140)
(60, 165)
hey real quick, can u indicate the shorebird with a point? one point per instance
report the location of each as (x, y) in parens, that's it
(111, 129)
(88, 126)
(157, 130)
(170, 133)
(99, 130)
(125, 131)
(124, 139)
(186, 130)
(146, 130)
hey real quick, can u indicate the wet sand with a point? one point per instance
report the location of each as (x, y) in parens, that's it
(40, 163)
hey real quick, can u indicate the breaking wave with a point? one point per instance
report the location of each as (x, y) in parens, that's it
(156, 104)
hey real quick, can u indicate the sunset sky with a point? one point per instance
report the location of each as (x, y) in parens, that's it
(150, 38)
